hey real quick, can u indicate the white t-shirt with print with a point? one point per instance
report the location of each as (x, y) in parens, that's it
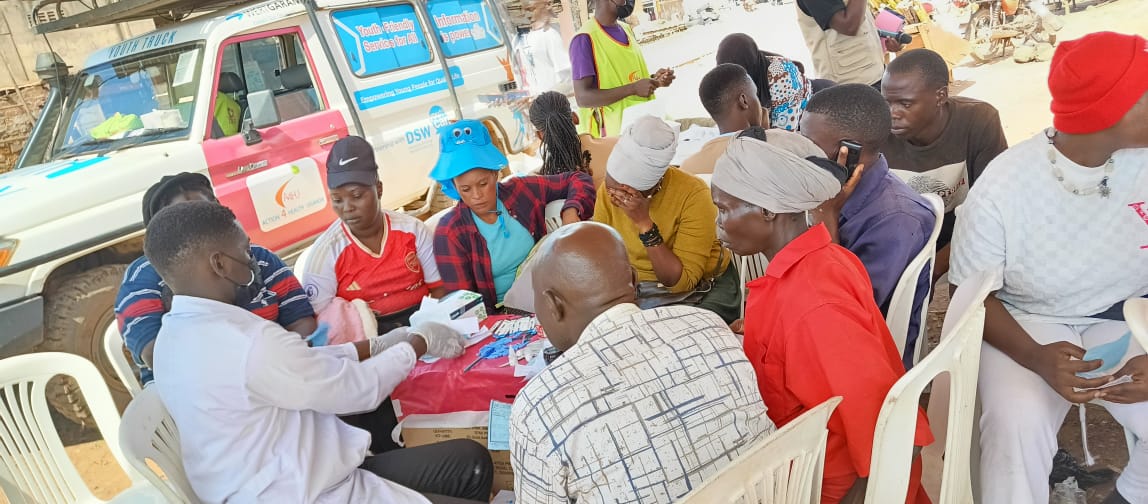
(1064, 256)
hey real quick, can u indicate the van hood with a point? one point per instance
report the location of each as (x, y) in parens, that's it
(87, 185)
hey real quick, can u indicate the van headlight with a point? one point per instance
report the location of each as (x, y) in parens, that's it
(7, 250)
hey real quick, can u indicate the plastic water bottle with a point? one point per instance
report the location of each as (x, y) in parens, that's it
(1068, 492)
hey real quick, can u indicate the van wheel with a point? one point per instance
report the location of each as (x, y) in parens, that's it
(76, 313)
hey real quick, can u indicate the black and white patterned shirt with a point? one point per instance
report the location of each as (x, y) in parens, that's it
(645, 407)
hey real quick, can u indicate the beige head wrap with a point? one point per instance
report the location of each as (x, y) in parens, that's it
(643, 153)
(775, 174)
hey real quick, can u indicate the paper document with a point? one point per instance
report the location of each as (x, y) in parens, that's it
(1113, 383)
(503, 497)
(498, 429)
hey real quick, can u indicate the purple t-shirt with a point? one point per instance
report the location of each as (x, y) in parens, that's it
(582, 52)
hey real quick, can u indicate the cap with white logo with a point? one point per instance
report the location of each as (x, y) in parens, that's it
(351, 161)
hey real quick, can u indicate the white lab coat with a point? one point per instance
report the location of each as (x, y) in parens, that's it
(256, 408)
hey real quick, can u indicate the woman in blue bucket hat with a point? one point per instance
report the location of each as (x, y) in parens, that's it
(481, 242)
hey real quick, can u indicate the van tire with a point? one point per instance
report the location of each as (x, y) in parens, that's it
(77, 311)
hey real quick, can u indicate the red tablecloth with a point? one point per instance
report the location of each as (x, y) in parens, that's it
(443, 387)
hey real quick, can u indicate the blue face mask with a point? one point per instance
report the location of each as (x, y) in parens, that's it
(1110, 354)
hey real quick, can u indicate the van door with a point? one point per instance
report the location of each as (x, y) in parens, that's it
(398, 87)
(472, 37)
(277, 186)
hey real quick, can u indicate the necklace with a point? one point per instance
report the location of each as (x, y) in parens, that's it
(1101, 187)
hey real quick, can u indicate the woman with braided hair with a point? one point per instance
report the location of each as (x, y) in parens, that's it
(563, 149)
(781, 84)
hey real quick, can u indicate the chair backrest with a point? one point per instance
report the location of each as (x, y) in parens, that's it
(554, 215)
(301, 260)
(958, 354)
(1136, 314)
(433, 220)
(114, 348)
(149, 433)
(901, 304)
(34, 468)
(784, 468)
(749, 268)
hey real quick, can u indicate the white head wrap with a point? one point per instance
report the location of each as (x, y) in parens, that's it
(775, 174)
(643, 153)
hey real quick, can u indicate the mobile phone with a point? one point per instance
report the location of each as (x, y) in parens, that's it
(853, 157)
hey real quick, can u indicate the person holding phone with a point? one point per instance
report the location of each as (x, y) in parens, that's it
(878, 217)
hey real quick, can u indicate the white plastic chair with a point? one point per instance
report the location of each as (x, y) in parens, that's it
(554, 215)
(706, 177)
(149, 433)
(749, 268)
(1136, 314)
(959, 355)
(125, 371)
(432, 221)
(784, 468)
(301, 260)
(34, 467)
(901, 304)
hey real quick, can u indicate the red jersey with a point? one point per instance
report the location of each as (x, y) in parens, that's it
(391, 281)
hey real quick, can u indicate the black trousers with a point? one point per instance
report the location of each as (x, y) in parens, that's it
(450, 472)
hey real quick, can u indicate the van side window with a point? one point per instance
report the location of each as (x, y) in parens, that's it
(464, 26)
(277, 63)
(376, 40)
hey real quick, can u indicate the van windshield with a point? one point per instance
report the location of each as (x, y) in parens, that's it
(134, 100)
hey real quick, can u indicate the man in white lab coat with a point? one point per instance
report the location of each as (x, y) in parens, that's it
(257, 407)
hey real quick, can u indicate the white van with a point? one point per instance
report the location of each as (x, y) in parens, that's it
(253, 97)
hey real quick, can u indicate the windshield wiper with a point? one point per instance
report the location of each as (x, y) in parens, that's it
(111, 144)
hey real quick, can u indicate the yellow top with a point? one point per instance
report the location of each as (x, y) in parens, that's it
(227, 114)
(687, 219)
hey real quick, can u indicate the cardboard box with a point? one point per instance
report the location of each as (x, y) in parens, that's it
(503, 474)
(950, 46)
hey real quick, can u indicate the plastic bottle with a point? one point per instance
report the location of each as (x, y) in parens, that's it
(1068, 492)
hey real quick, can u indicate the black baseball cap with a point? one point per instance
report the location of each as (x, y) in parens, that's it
(352, 161)
(159, 193)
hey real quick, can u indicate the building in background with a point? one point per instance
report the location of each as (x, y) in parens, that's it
(21, 92)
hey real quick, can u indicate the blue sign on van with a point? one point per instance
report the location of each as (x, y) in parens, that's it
(381, 39)
(464, 26)
(400, 90)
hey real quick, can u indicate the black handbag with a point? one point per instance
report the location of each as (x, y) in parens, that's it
(654, 294)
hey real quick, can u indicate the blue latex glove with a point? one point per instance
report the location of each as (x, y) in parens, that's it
(319, 337)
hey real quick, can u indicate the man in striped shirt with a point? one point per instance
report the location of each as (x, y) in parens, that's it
(275, 295)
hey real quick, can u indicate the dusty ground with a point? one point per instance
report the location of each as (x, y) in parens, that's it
(1017, 90)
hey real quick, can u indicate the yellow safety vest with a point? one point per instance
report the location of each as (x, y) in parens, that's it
(617, 65)
(227, 112)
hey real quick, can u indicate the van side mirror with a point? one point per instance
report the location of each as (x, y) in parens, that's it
(263, 111)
